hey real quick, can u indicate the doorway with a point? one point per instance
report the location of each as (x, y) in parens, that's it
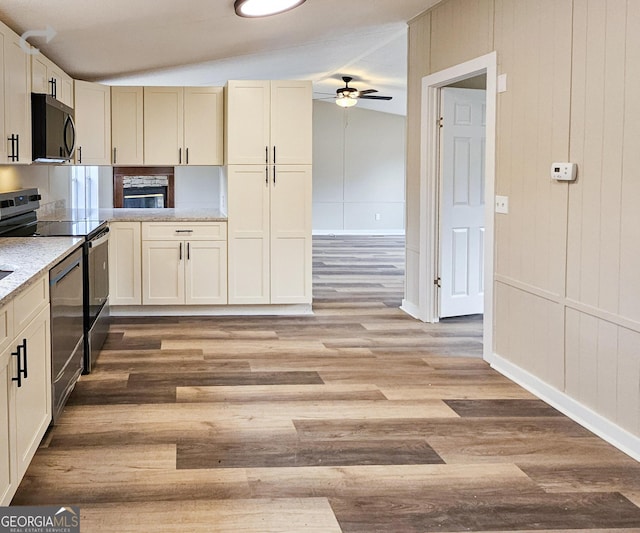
(430, 223)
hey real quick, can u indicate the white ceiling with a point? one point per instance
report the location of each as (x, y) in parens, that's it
(203, 42)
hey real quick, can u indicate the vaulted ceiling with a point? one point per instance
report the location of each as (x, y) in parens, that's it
(203, 42)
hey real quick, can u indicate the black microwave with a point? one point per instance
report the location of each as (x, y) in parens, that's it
(53, 132)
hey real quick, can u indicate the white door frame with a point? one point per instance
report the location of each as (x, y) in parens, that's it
(429, 178)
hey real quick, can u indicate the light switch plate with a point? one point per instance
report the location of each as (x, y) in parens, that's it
(564, 171)
(502, 83)
(502, 204)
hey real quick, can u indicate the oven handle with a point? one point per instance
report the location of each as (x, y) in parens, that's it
(100, 239)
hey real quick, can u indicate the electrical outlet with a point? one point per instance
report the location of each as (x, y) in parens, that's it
(502, 204)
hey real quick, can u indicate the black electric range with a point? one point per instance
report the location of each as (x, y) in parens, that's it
(18, 218)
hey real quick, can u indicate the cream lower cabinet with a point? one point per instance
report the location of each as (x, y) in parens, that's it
(25, 384)
(125, 258)
(269, 234)
(184, 263)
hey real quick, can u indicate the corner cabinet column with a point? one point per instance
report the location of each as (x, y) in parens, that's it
(269, 156)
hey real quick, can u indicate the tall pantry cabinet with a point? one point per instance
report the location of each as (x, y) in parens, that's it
(268, 157)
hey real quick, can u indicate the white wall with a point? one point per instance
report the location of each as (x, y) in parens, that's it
(358, 170)
(53, 181)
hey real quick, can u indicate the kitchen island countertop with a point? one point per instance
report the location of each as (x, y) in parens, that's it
(30, 257)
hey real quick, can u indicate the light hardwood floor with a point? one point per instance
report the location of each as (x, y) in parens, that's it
(356, 419)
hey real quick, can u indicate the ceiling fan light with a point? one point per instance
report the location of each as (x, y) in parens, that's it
(264, 8)
(346, 101)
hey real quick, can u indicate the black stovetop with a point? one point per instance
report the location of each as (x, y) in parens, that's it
(28, 226)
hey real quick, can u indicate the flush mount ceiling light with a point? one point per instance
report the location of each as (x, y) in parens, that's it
(264, 8)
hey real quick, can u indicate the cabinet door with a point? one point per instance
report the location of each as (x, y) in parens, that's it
(247, 121)
(93, 123)
(17, 100)
(39, 80)
(291, 122)
(8, 478)
(163, 272)
(206, 272)
(203, 131)
(291, 260)
(33, 398)
(163, 126)
(126, 125)
(65, 91)
(125, 271)
(248, 227)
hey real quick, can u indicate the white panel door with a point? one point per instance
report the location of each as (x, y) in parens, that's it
(125, 271)
(206, 272)
(291, 234)
(127, 125)
(248, 122)
(291, 123)
(33, 398)
(163, 272)
(93, 123)
(462, 202)
(203, 132)
(17, 72)
(248, 227)
(8, 477)
(163, 125)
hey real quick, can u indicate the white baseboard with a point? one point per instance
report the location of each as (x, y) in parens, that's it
(211, 310)
(411, 309)
(586, 417)
(357, 232)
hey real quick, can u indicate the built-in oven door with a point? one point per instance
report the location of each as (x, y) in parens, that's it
(97, 273)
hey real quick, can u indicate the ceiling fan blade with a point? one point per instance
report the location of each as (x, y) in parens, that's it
(365, 97)
(368, 91)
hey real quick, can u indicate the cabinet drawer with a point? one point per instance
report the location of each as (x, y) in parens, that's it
(184, 231)
(30, 302)
(6, 325)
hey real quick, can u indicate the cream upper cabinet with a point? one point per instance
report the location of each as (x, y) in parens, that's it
(163, 125)
(93, 123)
(269, 122)
(184, 263)
(203, 125)
(125, 269)
(127, 140)
(48, 78)
(183, 125)
(15, 100)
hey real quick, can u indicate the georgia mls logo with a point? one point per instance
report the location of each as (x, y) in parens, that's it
(39, 520)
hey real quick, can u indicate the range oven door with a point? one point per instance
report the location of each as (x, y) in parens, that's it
(96, 296)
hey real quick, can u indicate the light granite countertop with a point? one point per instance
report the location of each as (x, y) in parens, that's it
(142, 215)
(29, 257)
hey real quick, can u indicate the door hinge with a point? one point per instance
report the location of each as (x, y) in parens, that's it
(440, 122)
(436, 282)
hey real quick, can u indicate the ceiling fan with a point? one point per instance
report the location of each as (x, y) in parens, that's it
(348, 96)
